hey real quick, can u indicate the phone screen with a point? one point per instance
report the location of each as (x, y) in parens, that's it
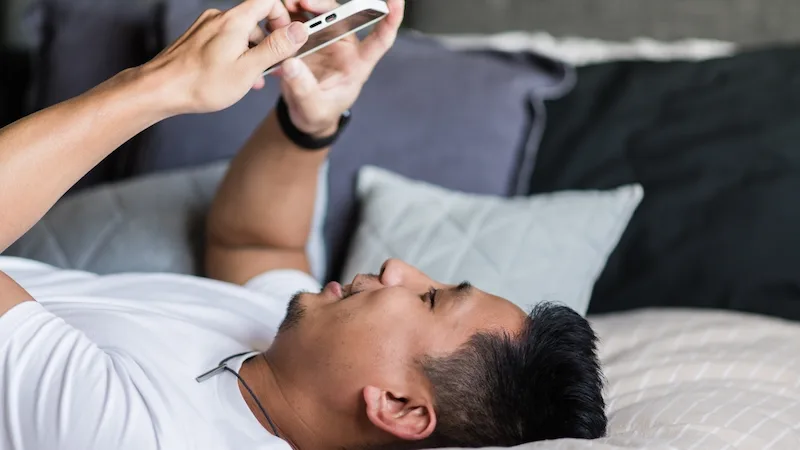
(335, 31)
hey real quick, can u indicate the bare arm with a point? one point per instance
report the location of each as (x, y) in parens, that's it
(209, 68)
(262, 216)
(43, 155)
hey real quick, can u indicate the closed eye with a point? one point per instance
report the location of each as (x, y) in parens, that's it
(430, 297)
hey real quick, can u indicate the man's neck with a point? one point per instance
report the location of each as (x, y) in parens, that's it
(281, 403)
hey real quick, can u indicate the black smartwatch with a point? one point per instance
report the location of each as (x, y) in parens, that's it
(305, 140)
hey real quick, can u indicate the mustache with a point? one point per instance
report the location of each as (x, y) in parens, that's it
(295, 311)
(358, 286)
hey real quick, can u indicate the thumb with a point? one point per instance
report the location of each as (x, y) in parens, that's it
(299, 83)
(278, 46)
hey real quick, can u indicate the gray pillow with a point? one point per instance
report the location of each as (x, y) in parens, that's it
(528, 250)
(467, 121)
(151, 224)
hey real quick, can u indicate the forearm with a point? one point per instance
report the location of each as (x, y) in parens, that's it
(267, 198)
(43, 155)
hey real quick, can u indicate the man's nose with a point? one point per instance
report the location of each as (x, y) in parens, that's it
(395, 272)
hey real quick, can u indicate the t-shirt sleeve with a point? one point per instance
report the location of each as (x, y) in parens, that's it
(283, 284)
(61, 391)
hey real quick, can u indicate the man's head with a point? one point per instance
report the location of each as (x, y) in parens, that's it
(402, 361)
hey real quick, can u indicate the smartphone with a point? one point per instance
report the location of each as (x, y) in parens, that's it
(335, 25)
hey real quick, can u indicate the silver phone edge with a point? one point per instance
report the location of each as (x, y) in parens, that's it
(332, 41)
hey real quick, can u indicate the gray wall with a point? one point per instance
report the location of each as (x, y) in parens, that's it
(743, 21)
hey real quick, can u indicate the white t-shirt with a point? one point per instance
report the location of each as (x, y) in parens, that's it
(109, 362)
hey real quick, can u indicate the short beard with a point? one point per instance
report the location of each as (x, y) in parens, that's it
(294, 313)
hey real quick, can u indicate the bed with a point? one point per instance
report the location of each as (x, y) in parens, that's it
(697, 303)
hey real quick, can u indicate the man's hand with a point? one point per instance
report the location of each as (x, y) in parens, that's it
(209, 68)
(212, 66)
(262, 216)
(322, 86)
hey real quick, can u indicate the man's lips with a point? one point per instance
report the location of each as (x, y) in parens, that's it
(335, 289)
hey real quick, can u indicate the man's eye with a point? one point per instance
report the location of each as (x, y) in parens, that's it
(431, 297)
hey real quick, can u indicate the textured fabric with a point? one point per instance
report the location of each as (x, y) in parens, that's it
(464, 121)
(743, 21)
(715, 145)
(422, 113)
(528, 250)
(152, 224)
(694, 380)
(109, 362)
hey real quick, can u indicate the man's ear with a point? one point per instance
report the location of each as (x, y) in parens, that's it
(407, 417)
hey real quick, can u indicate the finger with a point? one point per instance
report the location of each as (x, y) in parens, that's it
(299, 83)
(257, 10)
(278, 46)
(257, 35)
(293, 6)
(259, 84)
(382, 38)
(318, 6)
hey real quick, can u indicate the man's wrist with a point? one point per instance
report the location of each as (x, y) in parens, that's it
(152, 87)
(325, 132)
(321, 139)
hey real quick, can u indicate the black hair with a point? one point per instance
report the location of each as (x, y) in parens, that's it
(501, 390)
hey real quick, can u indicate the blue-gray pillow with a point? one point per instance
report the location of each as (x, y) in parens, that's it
(464, 121)
(81, 43)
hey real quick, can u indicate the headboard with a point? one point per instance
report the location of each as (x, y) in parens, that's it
(746, 22)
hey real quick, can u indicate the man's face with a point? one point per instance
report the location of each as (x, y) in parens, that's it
(374, 331)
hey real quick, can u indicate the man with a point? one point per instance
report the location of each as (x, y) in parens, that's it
(135, 361)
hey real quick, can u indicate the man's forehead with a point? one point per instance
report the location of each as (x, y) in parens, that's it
(494, 306)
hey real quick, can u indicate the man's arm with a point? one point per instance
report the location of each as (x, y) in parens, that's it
(208, 69)
(43, 155)
(262, 216)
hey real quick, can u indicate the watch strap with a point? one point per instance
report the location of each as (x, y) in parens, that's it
(305, 140)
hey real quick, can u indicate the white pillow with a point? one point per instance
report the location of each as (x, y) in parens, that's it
(528, 250)
(582, 51)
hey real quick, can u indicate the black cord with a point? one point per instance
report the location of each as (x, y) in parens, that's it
(258, 403)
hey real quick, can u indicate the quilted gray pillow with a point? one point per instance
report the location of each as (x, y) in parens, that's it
(150, 224)
(528, 250)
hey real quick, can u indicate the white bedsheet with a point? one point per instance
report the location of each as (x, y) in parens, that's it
(697, 380)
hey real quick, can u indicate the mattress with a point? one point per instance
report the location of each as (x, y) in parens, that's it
(684, 379)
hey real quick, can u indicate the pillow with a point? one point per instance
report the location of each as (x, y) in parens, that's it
(424, 112)
(582, 51)
(82, 43)
(683, 379)
(714, 143)
(153, 224)
(528, 250)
